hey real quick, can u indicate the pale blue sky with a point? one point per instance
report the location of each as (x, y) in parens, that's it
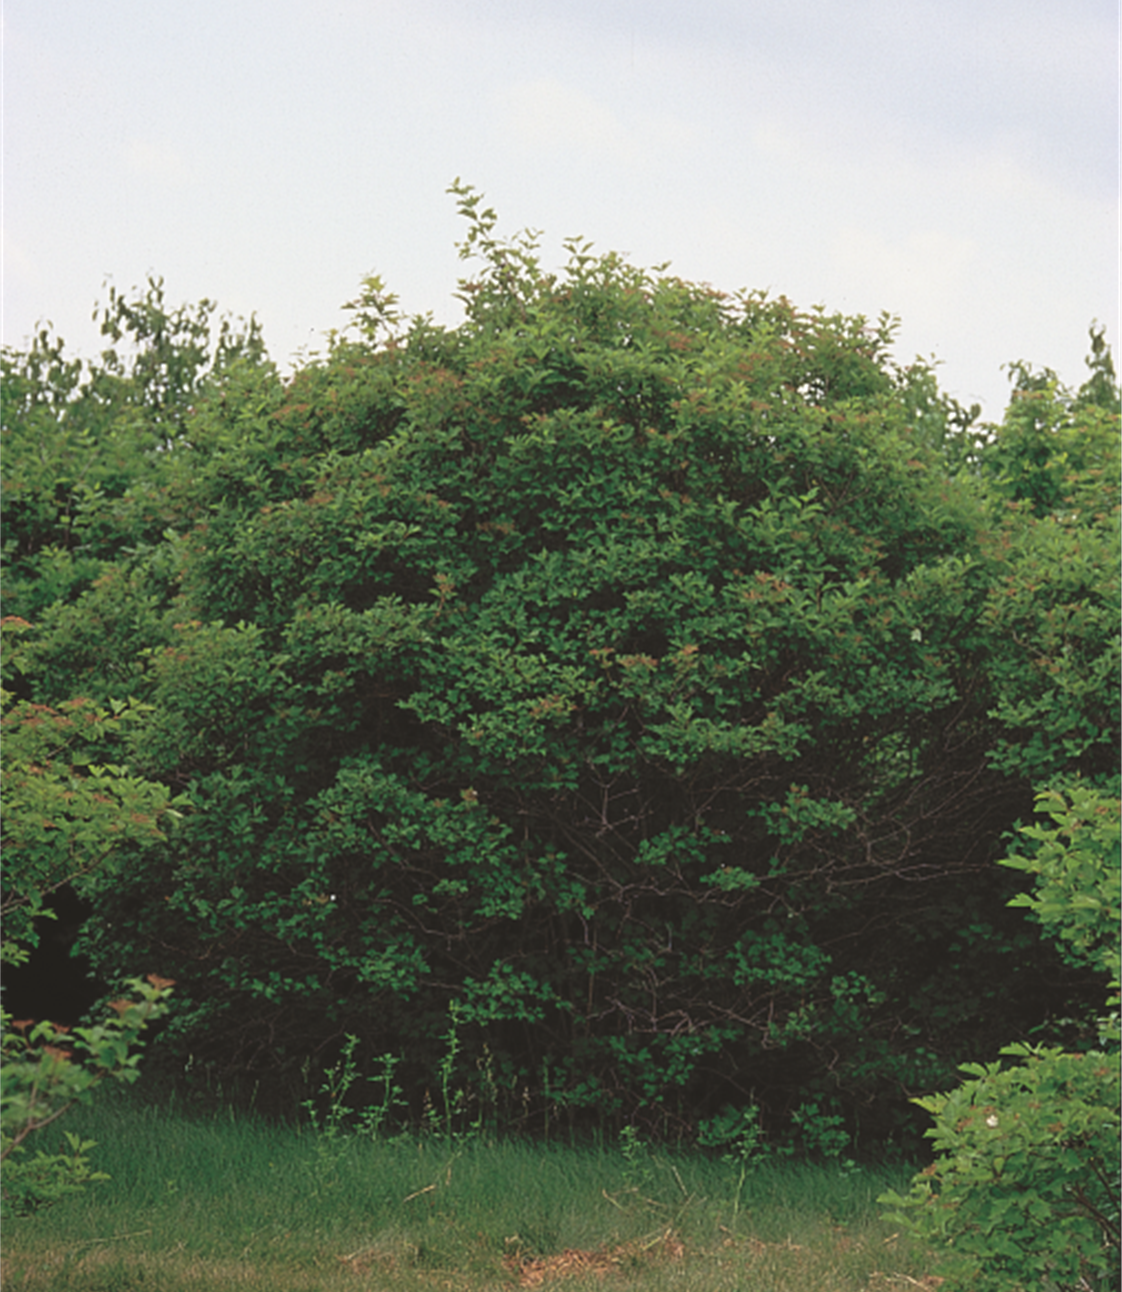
(954, 163)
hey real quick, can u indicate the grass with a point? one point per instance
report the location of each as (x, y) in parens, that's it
(231, 1202)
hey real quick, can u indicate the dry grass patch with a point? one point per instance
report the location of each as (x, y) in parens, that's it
(533, 1271)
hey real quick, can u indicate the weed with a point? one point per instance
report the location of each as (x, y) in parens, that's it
(739, 1132)
(375, 1117)
(452, 1102)
(330, 1142)
(636, 1160)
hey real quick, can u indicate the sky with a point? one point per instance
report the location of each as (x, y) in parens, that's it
(952, 162)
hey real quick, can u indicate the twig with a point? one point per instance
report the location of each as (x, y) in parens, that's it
(136, 1233)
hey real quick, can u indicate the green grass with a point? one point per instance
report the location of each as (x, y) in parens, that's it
(230, 1202)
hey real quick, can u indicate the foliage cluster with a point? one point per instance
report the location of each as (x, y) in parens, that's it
(648, 674)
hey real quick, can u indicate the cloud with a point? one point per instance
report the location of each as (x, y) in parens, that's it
(21, 273)
(547, 115)
(18, 257)
(160, 163)
(927, 264)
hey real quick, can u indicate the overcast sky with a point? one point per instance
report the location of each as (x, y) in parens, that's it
(954, 162)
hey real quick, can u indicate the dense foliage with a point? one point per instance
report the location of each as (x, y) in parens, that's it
(649, 673)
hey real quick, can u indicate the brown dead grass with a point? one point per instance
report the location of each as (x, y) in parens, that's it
(532, 1272)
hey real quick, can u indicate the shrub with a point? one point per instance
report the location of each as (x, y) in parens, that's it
(1024, 1192)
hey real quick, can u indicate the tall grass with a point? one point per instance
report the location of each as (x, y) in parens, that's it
(228, 1201)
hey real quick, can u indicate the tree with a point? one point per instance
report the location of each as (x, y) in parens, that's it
(86, 446)
(624, 666)
(1053, 466)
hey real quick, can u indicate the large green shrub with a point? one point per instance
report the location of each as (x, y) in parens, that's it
(650, 672)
